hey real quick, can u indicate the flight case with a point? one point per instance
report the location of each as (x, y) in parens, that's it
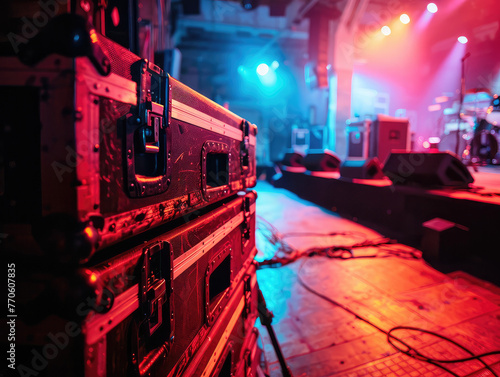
(230, 348)
(145, 311)
(98, 145)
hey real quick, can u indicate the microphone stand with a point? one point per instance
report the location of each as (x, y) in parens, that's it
(462, 91)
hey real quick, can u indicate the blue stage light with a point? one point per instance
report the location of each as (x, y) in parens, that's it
(263, 69)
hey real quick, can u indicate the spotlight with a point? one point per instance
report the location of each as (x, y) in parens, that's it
(262, 69)
(386, 30)
(463, 39)
(431, 7)
(404, 18)
(275, 65)
(249, 4)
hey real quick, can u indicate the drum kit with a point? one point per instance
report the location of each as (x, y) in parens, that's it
(479, 128)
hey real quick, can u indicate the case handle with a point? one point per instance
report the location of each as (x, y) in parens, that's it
(148, 139)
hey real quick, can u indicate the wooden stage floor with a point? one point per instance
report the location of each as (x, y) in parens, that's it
(328, 338)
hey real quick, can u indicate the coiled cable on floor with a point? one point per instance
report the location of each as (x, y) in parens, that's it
(392, 339)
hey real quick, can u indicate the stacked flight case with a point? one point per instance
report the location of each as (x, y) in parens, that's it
(114, 155)
(178, 301)
(126, 210)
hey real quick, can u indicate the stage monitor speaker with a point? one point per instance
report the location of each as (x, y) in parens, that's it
(362, 169)
(294, 159)
(427, 169)
(321, 161)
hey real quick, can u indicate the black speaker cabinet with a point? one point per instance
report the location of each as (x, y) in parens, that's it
(292, 159)
(362, 169)
(427, 169)
(321, 161)
(358, 136)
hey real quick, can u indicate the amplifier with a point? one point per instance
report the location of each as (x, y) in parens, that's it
(389, 134)
(358, 136)
(148, 310)
(103, 145)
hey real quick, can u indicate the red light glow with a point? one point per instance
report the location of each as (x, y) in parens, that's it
(386, 30)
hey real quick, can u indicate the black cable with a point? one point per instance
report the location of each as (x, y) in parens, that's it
(275, 238)
(416, 355)
(411, 352)
(331, 301)
(473, 357)
(346, 252)
(339, 252)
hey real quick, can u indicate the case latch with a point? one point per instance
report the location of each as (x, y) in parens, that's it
(148, 139)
